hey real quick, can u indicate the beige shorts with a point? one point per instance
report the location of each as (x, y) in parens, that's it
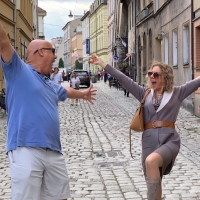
(38, 174)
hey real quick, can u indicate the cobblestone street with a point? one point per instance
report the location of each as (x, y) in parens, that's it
(95, 141)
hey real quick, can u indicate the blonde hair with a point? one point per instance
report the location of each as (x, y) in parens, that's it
(167, 74)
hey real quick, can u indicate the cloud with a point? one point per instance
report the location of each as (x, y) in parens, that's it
(57, 14)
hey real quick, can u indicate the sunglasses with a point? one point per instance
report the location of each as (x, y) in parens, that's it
(155, 74)
(51, 49)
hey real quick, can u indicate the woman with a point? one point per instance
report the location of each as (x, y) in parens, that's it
(74, 83)
(160, 141)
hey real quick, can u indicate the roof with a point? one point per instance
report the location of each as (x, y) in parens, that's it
(40, 10)
(85, 15)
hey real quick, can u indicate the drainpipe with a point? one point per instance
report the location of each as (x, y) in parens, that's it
(114, 32)
(37, 21)
(15, 25)
(135, 64)
(192, 36)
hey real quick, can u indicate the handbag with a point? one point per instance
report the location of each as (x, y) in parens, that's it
(137, 122)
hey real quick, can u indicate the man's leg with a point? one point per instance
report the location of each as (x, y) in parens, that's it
(56, 181)
(26, 173)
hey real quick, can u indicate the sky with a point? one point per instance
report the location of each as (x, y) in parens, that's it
(57, 14)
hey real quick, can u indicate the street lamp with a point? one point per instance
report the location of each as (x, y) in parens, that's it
(70, 14)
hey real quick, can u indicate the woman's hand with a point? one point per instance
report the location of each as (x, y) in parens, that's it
(97, 61)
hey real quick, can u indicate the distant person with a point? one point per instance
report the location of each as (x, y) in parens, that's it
(56, 77)
(63, 73)
(105, 76)
(74, 83)
(37, 165)
(90, 73)
(126, 92)
(199, 109)
(98, 74)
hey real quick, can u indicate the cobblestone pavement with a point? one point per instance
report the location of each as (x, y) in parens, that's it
(96, 146)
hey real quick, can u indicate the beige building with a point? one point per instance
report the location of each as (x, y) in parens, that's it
(99, 31)
(76, 46)
(70, 29)
(163, 34)
(196, 48)
(16, 16)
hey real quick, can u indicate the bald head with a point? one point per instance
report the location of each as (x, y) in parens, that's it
(41, 55)
(37, 44)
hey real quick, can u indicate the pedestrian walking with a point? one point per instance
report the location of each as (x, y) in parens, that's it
(126, 92)
(160, 140)
(74, 83)
(56, 77)
(37, 165)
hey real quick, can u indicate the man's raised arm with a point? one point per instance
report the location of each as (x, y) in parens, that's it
(6, 49)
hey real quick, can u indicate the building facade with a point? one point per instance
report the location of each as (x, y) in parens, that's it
(86, 40)
(69, 30)
(76, 46)
(16, 16)
(111, 4)
(41, 14)
(58, 44)
(195, 35)
(99, 31)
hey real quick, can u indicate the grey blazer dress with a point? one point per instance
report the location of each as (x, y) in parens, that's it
(168, 110)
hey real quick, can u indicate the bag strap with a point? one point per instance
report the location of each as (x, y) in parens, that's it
(142, 102)
(145, 95)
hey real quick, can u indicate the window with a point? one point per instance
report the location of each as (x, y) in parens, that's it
(185, 44)
(175, 48)
(166, 50)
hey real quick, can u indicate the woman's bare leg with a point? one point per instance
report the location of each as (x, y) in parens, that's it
(153, 179)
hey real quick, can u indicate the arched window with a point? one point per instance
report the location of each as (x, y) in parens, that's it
(144, 53)
(139, 52)
(150, 56)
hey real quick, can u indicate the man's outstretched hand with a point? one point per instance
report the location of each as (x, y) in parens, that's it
(89, 94)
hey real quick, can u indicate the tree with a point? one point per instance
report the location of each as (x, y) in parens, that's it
(61, 63)
(78, 65)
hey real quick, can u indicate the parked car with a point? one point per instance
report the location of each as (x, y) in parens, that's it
(83, 76)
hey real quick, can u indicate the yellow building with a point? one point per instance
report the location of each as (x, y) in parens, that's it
(99, 31)
(17, 19)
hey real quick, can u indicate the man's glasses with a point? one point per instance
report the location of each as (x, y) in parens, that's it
(51, 49)
(155, 74)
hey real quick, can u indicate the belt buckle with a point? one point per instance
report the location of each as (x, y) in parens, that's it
(153, 124)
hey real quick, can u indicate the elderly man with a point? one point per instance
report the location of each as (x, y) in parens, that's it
(37, 166)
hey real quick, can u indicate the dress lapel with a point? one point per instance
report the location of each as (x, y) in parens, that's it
(166, 97)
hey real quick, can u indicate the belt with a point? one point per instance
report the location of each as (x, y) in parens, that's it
(159, 124)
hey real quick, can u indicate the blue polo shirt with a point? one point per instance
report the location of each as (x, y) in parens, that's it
(31, 103)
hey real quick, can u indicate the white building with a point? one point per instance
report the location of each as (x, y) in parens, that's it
(58, 44)
(86, 40)
(41, 14)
